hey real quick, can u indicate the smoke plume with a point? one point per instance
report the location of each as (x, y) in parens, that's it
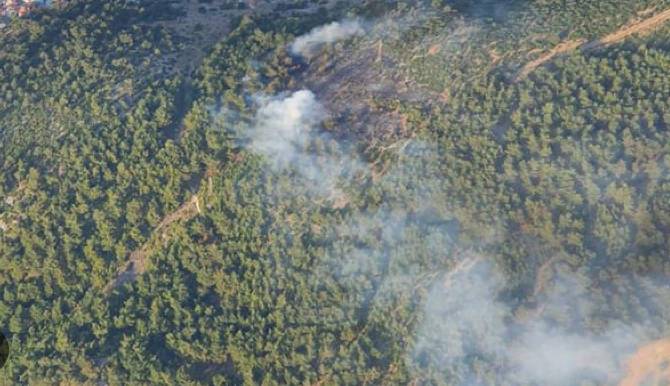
(467, 318)
(287, 131)
(307, 44)
(283, 125)
(464, 315)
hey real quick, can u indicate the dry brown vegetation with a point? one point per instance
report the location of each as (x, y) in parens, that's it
(203, 25)
(200, 30)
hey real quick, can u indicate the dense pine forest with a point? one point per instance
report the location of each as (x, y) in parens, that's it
(314, 192)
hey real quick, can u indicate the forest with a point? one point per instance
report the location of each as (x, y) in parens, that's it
(377, 192)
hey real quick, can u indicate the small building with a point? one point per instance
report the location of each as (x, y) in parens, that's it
(21, 8)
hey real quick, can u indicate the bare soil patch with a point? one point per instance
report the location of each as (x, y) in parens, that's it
(650, 365)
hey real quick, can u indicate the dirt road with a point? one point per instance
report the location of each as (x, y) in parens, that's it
(137, 264)
(561, 48)
(643, 26)
(639, 27)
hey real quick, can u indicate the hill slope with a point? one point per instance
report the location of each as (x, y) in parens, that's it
(187, 201)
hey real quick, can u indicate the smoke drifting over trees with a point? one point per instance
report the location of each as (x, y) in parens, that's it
(307, 45)
(282, 126)
(466, 313)
(378, 202)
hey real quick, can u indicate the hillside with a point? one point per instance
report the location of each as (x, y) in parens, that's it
(336, 193)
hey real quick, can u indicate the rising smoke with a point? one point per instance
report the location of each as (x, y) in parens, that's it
(283, 125)
(465, 316)
(307, 45)
(286, 130)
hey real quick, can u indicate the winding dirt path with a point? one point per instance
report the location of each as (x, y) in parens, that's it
(561, 48)
(643, 26)
(137, 264)
(639, 27)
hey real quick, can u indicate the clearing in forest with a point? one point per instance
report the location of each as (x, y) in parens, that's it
(649, 365)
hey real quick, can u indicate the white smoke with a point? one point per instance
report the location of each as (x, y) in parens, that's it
(461, 319)
(282, 126)
(286, 129)
(307, 44)
(464, 319)
(551, 356)
(463, 315)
